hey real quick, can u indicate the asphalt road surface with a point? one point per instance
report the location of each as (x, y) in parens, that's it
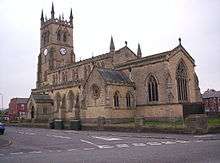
(34, 145)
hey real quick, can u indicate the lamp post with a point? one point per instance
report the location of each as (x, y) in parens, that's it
(2, 100)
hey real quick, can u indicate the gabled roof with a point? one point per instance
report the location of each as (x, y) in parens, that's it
(41, 98)
(113, 76)
(211, 93)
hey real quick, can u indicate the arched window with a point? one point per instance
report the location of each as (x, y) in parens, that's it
(64, 37)
(116, 99)
(47, 35)
(128, 100)
(70, 101)
(181, 77)
(152, 89)
(59, 35)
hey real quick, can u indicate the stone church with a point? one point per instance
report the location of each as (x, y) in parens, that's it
(118, 85)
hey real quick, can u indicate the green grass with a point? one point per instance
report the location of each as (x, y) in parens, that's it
(214, 121)
(165, 124)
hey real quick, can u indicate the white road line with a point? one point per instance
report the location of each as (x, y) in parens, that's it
(58, 136)
(87, 149)
(35, 152)
(168, 142)
(1, 154)
(105, 146)
(69, 150)
(198, 141)
(58, 151)
(139, 144)
(203, 136)
(30, 133)
(153, 143)
(122, 145)
(88, 142)
(106, 138)
(50, 151)
(17, 153)
(182, 141)
(20, 132)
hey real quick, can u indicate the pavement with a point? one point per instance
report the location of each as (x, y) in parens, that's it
(67, 146)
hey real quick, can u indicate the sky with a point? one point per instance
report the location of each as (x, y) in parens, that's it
(155, 24)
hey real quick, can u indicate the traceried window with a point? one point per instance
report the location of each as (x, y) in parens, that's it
(45, 76)
(64, 76)
(116, 99)
(44, 110)
(181, 77)
(64, 37)
(95, 91)
(152, 89)
(59, 35)
(128, 100)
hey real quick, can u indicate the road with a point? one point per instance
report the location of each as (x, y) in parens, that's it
(35, 145)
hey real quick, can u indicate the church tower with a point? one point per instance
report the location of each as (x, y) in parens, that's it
(56, 44)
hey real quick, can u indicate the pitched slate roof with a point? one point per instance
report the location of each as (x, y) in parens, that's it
(21, 100)
(114, 76)
(42, 98)
(211, 93)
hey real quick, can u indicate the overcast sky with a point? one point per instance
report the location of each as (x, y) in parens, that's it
(155, 24)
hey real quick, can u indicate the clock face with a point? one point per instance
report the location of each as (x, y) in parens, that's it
(45, 51)
(62, 51)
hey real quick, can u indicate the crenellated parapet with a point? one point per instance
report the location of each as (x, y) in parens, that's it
(60, 20)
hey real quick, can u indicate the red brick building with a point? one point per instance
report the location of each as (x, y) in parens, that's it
(18, 108)
(211, 102)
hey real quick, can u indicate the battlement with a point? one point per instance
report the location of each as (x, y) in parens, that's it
(60, 20)
(57, 21)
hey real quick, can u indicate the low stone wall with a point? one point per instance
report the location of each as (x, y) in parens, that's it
(160, 112)
(95, 112)
(197, 124)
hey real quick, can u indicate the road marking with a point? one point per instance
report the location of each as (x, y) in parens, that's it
(139, 144)
(1, 154)
(17, 153)
(58, 136)
(168, 142)
(182, 141)
(88, 142)
(203, 136)
(198, 141)
(30, 133)
(105, 146)
(87, 149)
(122, 145)
(69, 150)
(58, 150)
(35, 152)
(106, 138)
(153, 143)
(20, 132)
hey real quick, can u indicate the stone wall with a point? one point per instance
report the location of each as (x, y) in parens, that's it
(163, 111)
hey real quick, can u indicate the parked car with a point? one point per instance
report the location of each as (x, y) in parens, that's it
(2, 128)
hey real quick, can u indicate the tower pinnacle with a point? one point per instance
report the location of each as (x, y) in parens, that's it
(112, 46)
(139, 53)
(42, 17)
(52, 11)
(71, 16)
